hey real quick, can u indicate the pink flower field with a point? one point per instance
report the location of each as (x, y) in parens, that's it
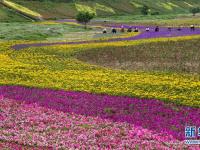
(27, 121)
(43, 127)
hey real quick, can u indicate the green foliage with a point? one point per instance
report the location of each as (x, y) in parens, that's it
(195, 10)
(84, 17)
(8, 15)
(37, 31)
(145, 10)
(155, 13)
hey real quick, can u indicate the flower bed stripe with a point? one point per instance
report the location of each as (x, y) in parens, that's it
(30, 125)
(143, 35)
(154, 115)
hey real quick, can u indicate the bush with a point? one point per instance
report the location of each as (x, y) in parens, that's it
(84, 17)
(155, 13)
(195, 10)
(145, 10)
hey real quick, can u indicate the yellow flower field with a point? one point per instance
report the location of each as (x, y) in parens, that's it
(56, 67)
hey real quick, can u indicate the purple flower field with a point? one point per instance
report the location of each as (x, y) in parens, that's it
(143, 35)
(154, 115)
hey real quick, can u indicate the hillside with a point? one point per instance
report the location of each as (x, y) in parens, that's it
(54, 9)
(8, 15)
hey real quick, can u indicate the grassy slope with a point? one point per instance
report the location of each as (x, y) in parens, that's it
(22, 10)
(105, 7)
(164, 20)
(51, 31)
(30, 31)
(50, 9)
(8, 15)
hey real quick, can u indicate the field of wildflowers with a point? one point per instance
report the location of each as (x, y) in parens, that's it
(141, 36)
(56, 67)
(30, 124)
(50, 99)
(60, 130)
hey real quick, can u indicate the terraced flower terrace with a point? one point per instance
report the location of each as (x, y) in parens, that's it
(67, 95)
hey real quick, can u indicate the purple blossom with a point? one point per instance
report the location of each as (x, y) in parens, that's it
(28, 126)
(151, 114)
(143, 35)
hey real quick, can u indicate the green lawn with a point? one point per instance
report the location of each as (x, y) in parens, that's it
(173, 19)
(49, 32)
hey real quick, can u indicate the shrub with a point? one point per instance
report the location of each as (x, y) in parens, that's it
(145, 10)
(195, 10)
(84, 17)
(155, 13)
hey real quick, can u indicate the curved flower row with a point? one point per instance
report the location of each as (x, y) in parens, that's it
(164, 32)
(56, 68)
(44, 127)
(59, 119)
(154, 115)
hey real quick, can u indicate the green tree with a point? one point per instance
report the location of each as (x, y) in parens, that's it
(84, 17)
(195, 10)
(145, 10)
